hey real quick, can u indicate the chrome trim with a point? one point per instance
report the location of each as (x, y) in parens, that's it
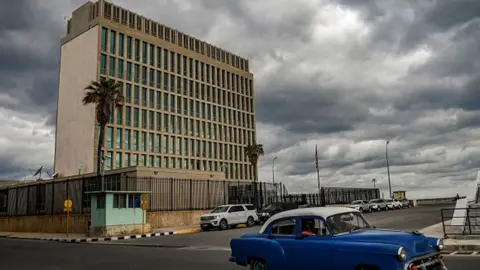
(440, 242)
(420, 258)
(400, 252)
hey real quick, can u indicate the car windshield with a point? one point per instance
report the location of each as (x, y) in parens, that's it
(270, 207)
(357, 202)
(220, 209)
(347, 222)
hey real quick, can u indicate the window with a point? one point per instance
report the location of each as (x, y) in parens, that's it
(119, 200)
(346, 222)
(284, 227)
(113, 40)
(314, 226)
(104, 39)
(120, 44)
(118, 138)
(129, 47)
(103, 64)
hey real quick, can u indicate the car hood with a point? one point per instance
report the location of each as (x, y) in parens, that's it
(414, 243)
(210, 214)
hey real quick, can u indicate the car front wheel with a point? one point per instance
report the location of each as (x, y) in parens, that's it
(223, 224)
(258, 265)
(250, 222)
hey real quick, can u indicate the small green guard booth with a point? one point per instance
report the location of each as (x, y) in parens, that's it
(114, 213)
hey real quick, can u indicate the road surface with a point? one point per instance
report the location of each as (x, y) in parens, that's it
(33, 254)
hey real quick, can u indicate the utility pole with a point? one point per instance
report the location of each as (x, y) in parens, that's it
(388, 171)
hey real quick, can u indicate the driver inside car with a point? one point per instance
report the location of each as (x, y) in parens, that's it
(308, 227)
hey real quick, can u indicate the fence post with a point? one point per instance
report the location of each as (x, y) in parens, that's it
(53, 195)
(191, 194)
(28, 200)
(224, 192)
(82, 195)
(171, 194)
(468, 221)
(443, 225)
(208, 194)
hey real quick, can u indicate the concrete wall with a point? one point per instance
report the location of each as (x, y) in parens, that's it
(75, 132)
(448, 200)
(174, 218)
(44, 224)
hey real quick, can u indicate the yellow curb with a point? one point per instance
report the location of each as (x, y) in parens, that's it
(241, 226)
(188, 231)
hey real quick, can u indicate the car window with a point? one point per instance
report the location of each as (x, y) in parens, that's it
(284, 227)
(347, 222)
(220, 209)
(250, 207)
(315, 226)
(236, 208)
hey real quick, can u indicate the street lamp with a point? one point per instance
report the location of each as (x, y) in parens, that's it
(388, 171)
(273, 177)
(273, 170)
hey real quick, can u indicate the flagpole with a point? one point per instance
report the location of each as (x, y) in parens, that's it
(318, 173)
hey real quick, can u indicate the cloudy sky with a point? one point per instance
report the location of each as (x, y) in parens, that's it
(346, 75)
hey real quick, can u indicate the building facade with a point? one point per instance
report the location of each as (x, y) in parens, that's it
(188, 104)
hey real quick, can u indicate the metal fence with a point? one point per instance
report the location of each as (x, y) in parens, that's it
(466, 221)
(333, 195)
(165, 194)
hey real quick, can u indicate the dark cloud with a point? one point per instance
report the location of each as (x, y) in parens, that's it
(348, 87)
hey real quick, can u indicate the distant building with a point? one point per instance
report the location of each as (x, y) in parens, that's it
(189, 105)
(399, 194)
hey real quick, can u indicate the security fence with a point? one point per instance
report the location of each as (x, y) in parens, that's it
(165, 194)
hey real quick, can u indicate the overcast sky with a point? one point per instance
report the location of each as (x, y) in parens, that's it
(346, 75)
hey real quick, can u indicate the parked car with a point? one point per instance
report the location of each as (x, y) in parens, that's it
(275, 208)
(333, 238)
(225, 216)
(405, 202)
(360, 205)
(397, 204)
(390, 205)
(378, 204)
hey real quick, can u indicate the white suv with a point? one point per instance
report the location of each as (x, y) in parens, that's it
(231, 215)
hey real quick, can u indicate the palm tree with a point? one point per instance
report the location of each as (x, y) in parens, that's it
(253, 152)
(105, 95)
(374, 181)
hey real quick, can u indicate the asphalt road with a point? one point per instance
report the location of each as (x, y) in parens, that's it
(31, 254)
(409, 219)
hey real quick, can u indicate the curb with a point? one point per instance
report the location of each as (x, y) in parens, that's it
(103, 239)
(461, 247)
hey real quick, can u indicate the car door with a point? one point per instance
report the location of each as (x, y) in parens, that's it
(316, 251)
(284, 231)
(235, 214)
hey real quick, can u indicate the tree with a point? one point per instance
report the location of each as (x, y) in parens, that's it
(253, 152)
(105, 95)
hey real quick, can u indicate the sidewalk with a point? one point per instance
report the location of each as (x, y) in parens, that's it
(82, 238)
(452, 245)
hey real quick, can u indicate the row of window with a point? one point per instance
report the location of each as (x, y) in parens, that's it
(155, 121)
(134, 21)
(160, 143)
(116, 160)
(188, 88)
(141, 52)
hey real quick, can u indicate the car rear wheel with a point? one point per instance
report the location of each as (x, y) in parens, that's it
(223, 225)
(250, 222)
(258, 265)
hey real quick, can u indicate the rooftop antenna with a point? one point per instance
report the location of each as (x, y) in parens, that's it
(52, 175)
(38, 172)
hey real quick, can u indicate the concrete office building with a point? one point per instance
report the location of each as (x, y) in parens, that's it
(189, 105)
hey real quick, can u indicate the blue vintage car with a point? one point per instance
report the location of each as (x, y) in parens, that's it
(333, 238)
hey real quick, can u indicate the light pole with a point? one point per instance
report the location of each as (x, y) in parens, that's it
(273, 170)
(374, 181)
(273, 177)
(388, 171)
